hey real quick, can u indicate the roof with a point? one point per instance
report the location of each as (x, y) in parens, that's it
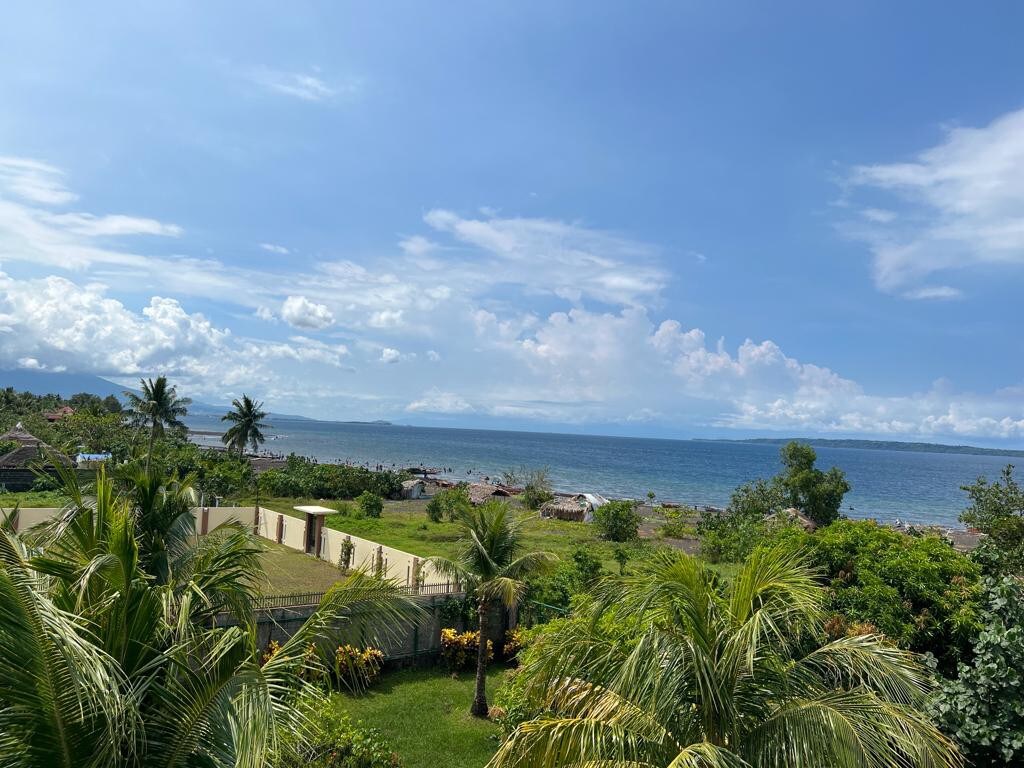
(313, 509)
(30, 448)
(481, 492)
(412, 483)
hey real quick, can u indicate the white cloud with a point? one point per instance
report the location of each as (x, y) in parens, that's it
(437, 401)
(390, 355)
(417, 245)
(35, 181)
(386, 318)
(112, 226)
(273, 248)
(934, 292)
(433, 356)
(266, 314)
(301, 85)
(962, 206)
(300, 312)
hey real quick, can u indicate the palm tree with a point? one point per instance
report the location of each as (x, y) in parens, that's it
(492, 566)
(669, 667)
(158, 407)
(246, 424)
(103, 664)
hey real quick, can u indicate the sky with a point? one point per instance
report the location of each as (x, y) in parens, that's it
(659, 218)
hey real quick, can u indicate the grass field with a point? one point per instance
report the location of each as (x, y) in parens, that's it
(289, 571)
(424, 714)
(27, 499)
(404, 525)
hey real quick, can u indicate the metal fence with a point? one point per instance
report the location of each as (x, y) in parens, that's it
(303, 599)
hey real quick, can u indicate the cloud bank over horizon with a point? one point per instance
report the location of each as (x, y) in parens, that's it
(525, 319)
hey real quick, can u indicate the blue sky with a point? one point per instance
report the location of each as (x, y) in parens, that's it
(668, 218)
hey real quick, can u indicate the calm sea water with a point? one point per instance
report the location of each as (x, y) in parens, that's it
(916, 487)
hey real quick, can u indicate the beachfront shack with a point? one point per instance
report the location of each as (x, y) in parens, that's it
(576, 507)
(482, 492)
(413, 489)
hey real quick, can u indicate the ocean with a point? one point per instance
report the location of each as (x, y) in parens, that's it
(887, 485)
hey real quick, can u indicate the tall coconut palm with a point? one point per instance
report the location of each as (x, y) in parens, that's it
(246, 424)
(670, 667)
(493, 567)
(158, 407)
(101, 664)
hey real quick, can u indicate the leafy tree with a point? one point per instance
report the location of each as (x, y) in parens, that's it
(158, 407)
(552, 594)
(672, 667)
(492, 565)
(918, 591)
(997, 509)
(618, 520)
(111, 404)
(819, 495)
(247, 425)
(449, 504)
(110, 652)
(982, 708)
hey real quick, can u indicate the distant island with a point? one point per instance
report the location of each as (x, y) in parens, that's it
(878, 445)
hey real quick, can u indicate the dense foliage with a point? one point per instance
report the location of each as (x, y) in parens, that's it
(302, 477)
(701, 673)
(552, 595)
(370, 504)
(916, 590)
(983, 708)
(618, 520)
(334, 741)
(997, 509)
(730, 536)
(449, 503)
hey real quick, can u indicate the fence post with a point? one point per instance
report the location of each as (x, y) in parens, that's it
(280, 528)
(204, 527)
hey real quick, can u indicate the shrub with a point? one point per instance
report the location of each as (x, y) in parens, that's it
(356, 668)
(997, 509)
(677, 522)
(448, 503)
(536, 488)
(618, 520)
(917, 590)
(730, 536)
(982, 708)
(302, 477)
(370, 504)
(459, 649)
(333, 741)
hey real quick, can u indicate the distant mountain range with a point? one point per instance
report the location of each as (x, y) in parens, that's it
(882, 445)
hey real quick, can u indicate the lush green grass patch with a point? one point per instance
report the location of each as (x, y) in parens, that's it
(26, 499)
(289, 571)
(424, 714)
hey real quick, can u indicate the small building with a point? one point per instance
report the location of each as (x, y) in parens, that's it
(413, 489)
(314, 515)
(59, 413)
(481, 492)
(29, 449)
(575, 507)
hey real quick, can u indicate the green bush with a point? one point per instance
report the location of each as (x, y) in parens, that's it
(302, 477)
(618, 520)
(370, 504)
(730, 536)
(983, 708)
(997, 509)
(459, 649)
(537, 489)
(677, 523)
(448, 504)
(916, 590)
(333, 741)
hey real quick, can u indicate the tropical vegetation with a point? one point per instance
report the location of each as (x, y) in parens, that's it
(492, 566)
(670, 667)
(157, 408)
(247, 425)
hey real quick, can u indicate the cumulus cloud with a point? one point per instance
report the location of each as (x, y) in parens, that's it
(386, 318)
(390, 355)
(960, 206)
(300, 312)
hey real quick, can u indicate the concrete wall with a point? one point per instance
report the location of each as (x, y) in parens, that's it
(294, 534)
(222, 515)
(397, 564)
(32, 516)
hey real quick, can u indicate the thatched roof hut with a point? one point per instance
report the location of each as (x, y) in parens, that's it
(413, 489)
(29, 449)
(577, 507)
(481, 492)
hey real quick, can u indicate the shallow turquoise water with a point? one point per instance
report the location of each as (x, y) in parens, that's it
(917, 487)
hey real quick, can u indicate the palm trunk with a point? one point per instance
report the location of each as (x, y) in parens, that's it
(479, 708)
(152, 437)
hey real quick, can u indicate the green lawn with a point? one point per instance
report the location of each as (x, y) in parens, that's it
(289, 571)
(404, 525)
(424, 715)
(27, 499)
